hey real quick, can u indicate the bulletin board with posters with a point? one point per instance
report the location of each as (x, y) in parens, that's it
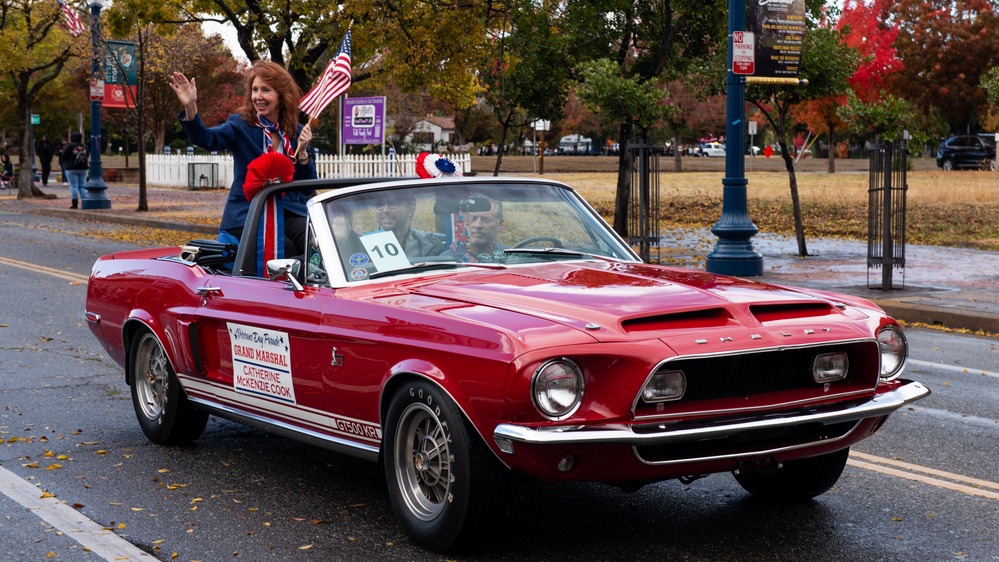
(779, 30)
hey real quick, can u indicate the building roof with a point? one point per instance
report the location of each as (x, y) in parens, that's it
(442, 122)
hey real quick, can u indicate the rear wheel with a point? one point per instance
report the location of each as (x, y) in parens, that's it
(798, 480)
(165, 414)
(948, 165)
(446, 487)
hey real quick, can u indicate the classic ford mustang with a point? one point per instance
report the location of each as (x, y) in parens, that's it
(459, 330)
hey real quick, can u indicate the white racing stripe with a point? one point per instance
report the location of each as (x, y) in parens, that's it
(930, 365)
(71, 522)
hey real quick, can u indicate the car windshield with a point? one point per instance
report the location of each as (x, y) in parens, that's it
(446, 226)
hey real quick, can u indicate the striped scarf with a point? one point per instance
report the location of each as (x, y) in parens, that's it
(270, 129)
(270, 230)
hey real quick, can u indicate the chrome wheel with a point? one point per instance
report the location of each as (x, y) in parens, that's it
(162, 408)
(446, 487)
(423, 467)
(152, 378)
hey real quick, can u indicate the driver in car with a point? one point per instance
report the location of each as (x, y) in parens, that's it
(395, 211)
(483, 229)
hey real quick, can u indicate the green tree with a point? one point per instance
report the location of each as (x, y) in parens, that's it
(435, 45)
(649, 41)
(990, 83)
(886, 118)
(34, 49)
(826, 63)
(527, 79)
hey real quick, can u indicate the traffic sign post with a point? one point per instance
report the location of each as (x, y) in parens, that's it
(743, 52)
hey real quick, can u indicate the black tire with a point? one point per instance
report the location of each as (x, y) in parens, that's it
(948, 165)
(796, 481)
(446, 486)
(165, 414)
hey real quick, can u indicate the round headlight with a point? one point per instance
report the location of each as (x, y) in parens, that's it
(894, 350)
(557, 388)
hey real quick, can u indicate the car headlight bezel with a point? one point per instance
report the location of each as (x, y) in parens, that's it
(557, 388)
(894, 349)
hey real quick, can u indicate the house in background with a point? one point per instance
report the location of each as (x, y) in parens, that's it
(432, 134)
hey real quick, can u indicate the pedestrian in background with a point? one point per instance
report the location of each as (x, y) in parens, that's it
(62, 168)
(267, 121)
(8, 170)
(45, 151)
(75, 163)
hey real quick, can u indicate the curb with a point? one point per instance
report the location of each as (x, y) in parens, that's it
(129, 221)
(939, 316)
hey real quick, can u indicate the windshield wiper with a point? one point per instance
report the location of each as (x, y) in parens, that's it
(558, 252)
(416, 267)
(434, 265)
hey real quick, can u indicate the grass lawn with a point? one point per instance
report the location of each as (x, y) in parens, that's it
(943, 208)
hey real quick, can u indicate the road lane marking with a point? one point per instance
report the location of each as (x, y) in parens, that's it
(908, 471)
(952, 368)
(966, 419)
(71, 522)
(75, 277)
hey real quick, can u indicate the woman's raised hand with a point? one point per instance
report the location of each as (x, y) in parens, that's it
(187, 93)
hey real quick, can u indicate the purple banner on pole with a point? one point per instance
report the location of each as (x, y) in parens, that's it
(364, 120)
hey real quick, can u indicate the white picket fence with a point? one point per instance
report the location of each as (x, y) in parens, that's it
(180, 170)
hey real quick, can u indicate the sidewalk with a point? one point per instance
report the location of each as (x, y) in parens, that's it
(953, 287)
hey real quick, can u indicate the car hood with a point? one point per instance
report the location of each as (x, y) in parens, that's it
(614, 301)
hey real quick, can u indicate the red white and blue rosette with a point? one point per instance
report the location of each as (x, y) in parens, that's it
(435, 166)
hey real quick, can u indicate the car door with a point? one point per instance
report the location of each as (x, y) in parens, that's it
(259, 349)
(976, 152)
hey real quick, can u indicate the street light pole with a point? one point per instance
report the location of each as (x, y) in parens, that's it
(734, 253)
(93, 196)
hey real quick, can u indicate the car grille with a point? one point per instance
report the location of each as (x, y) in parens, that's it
(719, 382)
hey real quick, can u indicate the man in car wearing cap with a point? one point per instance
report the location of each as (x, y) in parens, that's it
(395, 213)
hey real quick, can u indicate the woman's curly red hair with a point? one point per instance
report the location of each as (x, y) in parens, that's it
(288, 92)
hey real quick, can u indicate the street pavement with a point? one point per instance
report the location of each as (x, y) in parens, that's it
(953, 287)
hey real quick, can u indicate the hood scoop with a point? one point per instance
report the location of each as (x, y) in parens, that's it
(689, 320)
(770, 313)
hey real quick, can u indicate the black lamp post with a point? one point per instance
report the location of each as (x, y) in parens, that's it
(93, 196)
(734, 253)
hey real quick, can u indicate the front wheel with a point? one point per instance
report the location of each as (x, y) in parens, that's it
(446, 487)
(165, 414)
(798, 480)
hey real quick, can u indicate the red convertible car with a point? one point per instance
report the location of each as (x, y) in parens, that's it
(460, 330)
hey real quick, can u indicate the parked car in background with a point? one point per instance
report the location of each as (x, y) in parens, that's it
(966, 151)
(715, 149)
(518, 334)
(753, 149)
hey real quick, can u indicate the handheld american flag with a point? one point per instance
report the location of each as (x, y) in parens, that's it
(334, 81)
(72, 17)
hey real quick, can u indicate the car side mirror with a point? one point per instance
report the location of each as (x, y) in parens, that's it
(285, 270)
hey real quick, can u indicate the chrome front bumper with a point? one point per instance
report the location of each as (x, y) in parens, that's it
(881, 405)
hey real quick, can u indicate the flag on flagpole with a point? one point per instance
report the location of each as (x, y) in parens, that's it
(334, 81)
(72, 18)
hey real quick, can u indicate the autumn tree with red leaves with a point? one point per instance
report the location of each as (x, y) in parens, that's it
(947, 46)
(862, 27)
